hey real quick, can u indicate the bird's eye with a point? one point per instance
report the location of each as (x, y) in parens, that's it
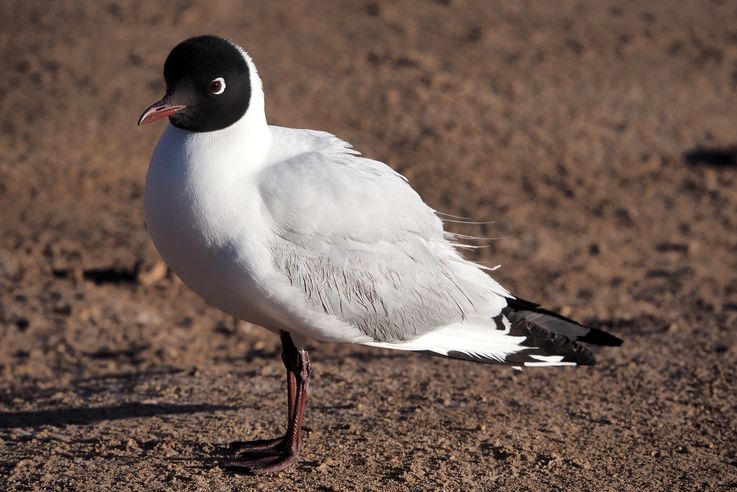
(217, 86)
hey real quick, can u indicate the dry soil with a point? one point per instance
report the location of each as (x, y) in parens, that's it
(597, 135)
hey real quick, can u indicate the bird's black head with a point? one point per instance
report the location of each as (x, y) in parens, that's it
(208, 86)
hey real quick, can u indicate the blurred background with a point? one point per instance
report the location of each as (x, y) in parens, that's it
(600, 137)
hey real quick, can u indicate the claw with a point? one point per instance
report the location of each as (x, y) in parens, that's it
(259, 446)
(264, 464)
(272, 455)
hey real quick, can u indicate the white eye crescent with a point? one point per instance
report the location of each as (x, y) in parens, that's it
(217, 86)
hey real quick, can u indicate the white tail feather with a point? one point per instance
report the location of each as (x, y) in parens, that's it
(484, 343)
(476, 341)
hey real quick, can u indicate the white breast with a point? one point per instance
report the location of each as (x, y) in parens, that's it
(201, 222)
(206, 217)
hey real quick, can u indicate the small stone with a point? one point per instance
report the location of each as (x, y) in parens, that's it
(153, 275)
(325, 465)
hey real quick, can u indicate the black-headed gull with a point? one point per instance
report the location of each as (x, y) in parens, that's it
(293, 230)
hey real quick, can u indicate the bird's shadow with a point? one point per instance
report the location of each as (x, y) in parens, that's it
(87, 415)
(721, 157)
(202, 455)
(92, 415)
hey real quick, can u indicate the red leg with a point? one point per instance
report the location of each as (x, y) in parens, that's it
(277, 454)
(262, 447)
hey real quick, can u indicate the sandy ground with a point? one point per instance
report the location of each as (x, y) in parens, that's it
(599, 136)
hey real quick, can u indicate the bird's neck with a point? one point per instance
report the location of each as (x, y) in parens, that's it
(248, 139)
(250, 136)
(239, 149)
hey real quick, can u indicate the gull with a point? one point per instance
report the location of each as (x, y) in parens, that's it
(295, 231)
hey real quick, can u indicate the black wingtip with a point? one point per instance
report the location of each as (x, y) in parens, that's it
(593, 336)
(599, 337)
(582, 357)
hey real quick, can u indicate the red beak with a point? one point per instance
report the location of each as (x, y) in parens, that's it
(159, 109)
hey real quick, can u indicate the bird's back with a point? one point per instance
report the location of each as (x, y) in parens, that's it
(358, 243)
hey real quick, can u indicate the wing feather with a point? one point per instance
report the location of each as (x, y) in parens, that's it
(361, 245)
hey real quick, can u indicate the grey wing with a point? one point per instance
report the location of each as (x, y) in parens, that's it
(361, 245)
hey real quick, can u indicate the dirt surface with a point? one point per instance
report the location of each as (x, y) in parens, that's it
(597, 135)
